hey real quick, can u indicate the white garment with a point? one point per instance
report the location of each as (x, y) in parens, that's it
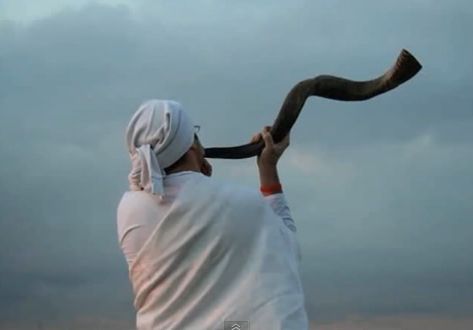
(134, 230)
(207, 253)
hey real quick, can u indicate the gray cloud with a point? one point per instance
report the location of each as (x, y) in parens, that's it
(380, 189)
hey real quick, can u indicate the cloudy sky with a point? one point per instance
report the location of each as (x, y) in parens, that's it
(381, 190)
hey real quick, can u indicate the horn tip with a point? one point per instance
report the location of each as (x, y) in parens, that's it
(406, 58)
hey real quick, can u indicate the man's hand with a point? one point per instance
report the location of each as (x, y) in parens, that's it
(206, 168)
(268, 159)
(271, 153)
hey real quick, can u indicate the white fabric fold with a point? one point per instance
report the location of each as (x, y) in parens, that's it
(158, 134)
(151, 172)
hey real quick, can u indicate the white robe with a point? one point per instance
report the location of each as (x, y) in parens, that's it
(220, 253)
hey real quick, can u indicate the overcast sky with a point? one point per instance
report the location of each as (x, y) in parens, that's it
(381, 190)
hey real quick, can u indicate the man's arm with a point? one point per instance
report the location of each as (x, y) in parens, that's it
(270, 184)
(268, 173)
(267, 161)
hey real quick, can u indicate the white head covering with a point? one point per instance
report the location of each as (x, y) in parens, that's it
(158, 134)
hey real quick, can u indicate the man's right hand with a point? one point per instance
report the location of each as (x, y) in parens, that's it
(206, 168)
(268, 159)
(271, 153)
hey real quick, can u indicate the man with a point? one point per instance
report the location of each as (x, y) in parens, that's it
(201, 252)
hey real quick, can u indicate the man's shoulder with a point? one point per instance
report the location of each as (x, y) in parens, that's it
(134, 201)
(230, 192)
(224, 186)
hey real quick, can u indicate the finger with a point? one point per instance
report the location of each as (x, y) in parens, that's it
(286, 139)
(255, 138)
(209, 169)
(206, 168)
(268, 139)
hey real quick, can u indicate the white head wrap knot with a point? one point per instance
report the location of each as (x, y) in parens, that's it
(158, 134)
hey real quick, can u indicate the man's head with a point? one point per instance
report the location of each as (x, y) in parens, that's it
(192, 160)
(160, 136)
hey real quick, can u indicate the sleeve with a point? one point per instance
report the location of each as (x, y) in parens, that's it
(279, 205)
(135, 216)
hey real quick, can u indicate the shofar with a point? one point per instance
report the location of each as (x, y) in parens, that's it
(326, 86)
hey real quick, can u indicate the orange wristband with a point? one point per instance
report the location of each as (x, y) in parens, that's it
(271, 189)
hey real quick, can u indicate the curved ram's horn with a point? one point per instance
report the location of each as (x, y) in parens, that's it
(330, 87)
